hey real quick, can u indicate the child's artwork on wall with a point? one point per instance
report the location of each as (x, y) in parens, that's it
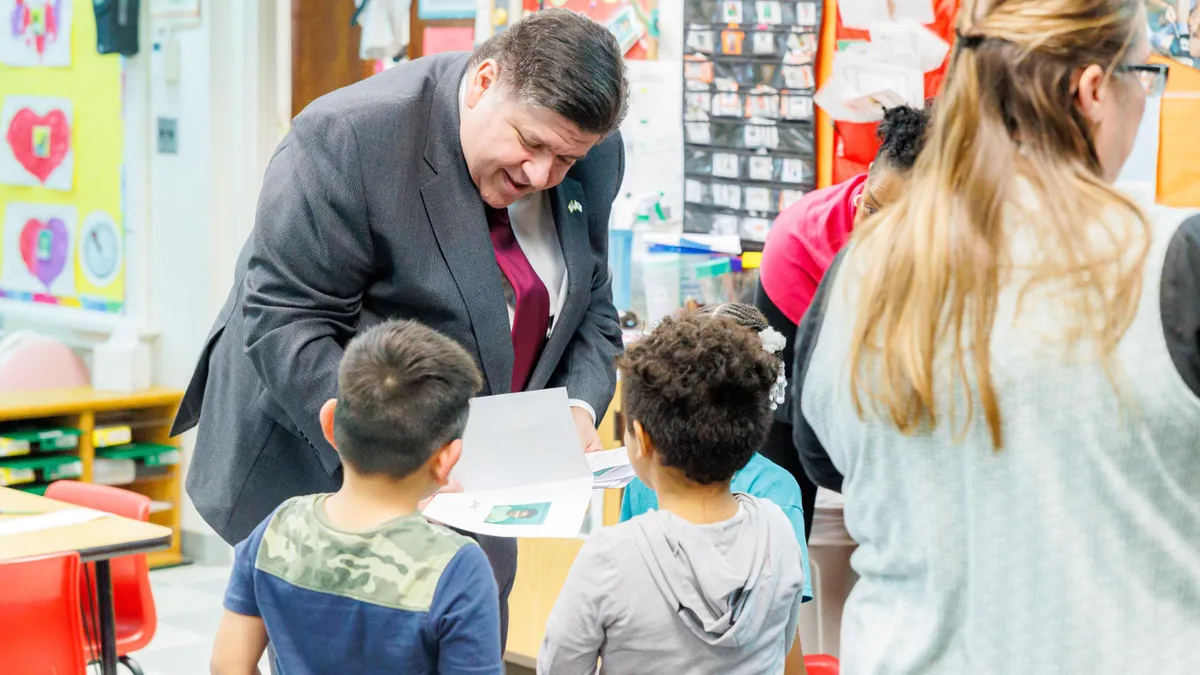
(39, 249)
(35, 32)
(37, 142)
(62, 154)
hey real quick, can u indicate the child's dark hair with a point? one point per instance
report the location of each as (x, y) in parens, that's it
(902, 135)
(403, 392)
(700, 385)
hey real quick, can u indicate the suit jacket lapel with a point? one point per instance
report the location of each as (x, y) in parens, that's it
(571, 221)
(456, 214)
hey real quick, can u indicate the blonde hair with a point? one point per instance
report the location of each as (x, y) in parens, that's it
(932, 264)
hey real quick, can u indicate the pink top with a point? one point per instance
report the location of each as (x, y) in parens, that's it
(803, 242)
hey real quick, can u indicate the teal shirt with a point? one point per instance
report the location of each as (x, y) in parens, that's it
(760, 478)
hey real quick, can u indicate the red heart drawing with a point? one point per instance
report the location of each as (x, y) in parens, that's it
(20, 139)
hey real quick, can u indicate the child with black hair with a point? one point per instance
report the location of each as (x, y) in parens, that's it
(711, 581)
(803, 242)
(358, 581)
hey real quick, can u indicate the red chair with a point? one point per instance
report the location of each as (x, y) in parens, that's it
(821, 664)
(41, 628)
(133, 601)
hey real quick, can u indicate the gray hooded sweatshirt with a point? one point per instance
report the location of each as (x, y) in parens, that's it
(658, 595)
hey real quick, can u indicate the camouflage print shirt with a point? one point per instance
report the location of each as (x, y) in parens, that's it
(405, 597)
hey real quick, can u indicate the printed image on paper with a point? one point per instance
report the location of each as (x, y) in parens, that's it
(37, 149)
(39, 251)
(35, 32)
(518, 514)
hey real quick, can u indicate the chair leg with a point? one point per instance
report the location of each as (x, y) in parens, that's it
(132, 665)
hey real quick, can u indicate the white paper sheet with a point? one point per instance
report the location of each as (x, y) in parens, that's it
(47, 521)
(610, 468)
(651, 133)
(540, 510)
(920, 11)
(40, 148)
(844, 104)
(36, 33)
(522, 470)
(515, 440)
(908, 43)
(860, 14)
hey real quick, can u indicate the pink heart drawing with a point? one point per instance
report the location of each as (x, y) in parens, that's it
(20, 139)
(44, 248)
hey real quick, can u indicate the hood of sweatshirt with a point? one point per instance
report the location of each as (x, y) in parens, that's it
(724, 578)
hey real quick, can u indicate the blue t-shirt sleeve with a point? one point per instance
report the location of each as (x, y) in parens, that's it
(240, 597)
(638, 499)
(764, 479)
(795, 514)
(465, 616)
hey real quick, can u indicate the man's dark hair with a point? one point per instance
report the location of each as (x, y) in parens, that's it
(563, 62)
(902, 135)
(403, 392)
(700, 387)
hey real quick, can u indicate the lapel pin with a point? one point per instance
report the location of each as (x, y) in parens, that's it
(574, 207)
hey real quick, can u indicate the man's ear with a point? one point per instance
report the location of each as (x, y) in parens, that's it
(443, 461)
(482, 79)
(327, 420)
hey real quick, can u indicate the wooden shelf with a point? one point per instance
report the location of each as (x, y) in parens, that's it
(78, 408)
(72, 401)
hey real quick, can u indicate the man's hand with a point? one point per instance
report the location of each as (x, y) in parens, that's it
(586, 428)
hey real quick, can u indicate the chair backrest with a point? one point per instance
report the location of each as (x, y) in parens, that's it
(41, 627)
(821, 664)
(133, 600)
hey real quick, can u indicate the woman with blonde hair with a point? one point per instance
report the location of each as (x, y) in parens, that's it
(1002, 373)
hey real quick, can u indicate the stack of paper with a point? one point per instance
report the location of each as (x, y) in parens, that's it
(522, 471)
(610, 468)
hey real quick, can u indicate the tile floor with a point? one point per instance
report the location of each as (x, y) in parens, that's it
(188, 600)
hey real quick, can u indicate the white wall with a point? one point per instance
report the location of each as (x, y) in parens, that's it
(201, 200)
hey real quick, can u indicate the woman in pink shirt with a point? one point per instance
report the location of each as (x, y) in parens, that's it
(802, 244)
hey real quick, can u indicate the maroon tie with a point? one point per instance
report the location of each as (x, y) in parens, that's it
(531, 315)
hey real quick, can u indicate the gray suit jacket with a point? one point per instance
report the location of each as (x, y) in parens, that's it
(367, 213)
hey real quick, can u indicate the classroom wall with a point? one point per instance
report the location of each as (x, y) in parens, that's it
(223, 94)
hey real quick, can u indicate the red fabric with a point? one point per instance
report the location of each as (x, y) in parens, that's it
(803, 242)
(531, 316)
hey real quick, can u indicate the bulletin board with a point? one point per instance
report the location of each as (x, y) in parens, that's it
(61, 159)
(749, 79)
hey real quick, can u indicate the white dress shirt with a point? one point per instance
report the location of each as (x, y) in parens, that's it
(536, 234)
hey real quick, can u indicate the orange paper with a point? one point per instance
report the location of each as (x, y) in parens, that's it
(1178, 170)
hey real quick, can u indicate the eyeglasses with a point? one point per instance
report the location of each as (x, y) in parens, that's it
(1153, 76)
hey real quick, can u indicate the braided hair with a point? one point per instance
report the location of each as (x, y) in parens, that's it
(750, 317)
(743, 314)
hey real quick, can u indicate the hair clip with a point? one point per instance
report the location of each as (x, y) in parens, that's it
(969, 41)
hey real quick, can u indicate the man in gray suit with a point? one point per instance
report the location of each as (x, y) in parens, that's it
(470, 192)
